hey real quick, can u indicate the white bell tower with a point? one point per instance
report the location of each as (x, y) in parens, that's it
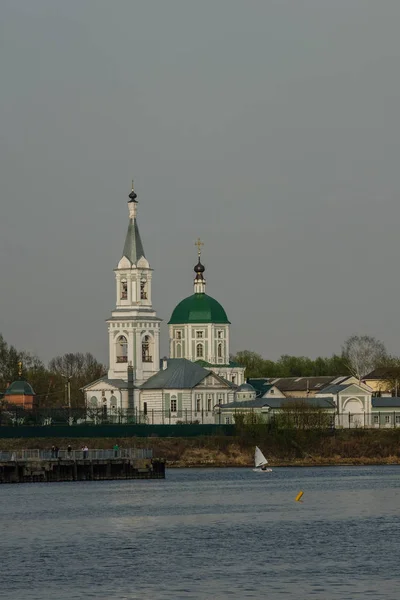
(134, 328)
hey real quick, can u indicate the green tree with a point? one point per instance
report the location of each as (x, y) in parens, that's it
(253, 362)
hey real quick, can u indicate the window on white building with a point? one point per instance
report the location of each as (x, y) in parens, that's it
(199, 351)
(198, 403)
(178, 351)
(219, 335)
(387, 418)
(178, 335)
(143, 289)
(93, 402)
(145, 408)
(173, 404)
(122, 349)
(219, 351)
(376, 419)
(199, 334)
(233, 378)
(220, 398)
(146, 353)
(397, 419)
(227, 420)
(209, 403)
(124, 289)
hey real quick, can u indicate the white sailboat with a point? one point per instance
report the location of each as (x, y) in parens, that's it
(260, 462)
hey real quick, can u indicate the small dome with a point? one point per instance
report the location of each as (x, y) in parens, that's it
(19, 388)
(198, 308)
(199, 268)
(246, 387)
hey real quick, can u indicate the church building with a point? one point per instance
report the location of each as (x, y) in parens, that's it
(196, 379)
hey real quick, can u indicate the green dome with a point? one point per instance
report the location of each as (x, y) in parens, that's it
(198, 308)
(19, 388)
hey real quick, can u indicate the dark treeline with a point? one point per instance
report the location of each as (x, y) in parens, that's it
(49, 382)
(291, 366)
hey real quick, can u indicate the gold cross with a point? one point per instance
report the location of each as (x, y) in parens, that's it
(132, 186)
(19, 369)
(199, 245)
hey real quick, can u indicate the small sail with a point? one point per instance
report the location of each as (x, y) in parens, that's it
(259, 458)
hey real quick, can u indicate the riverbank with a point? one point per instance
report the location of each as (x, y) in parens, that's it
(282, 448)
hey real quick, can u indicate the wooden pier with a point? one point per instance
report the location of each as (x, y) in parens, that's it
(34, 466)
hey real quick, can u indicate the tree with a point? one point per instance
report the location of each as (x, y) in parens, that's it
(299, 414)
(9, 358)
(77, 368)
(363, 354)
(253, 362)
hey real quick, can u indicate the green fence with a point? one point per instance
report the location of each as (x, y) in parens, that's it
(114, 431)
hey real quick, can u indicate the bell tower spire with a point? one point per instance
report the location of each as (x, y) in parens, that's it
(134, 327)
(199, 280)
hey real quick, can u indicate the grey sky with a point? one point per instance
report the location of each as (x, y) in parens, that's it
(268, 128)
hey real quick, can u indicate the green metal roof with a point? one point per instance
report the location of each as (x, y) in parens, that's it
(133, 248)
(198, 308)
(18, 388)
(260, 384)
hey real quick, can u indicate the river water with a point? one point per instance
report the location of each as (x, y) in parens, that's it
(215, 533)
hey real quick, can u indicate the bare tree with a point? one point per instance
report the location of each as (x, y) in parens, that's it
(363, 353)
(79, 369)
(299, 414)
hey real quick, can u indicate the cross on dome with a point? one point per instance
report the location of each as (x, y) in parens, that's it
(199, 245)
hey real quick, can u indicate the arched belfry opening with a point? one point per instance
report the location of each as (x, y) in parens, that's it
(122, 349)
(143, 289)
(124, 289)
(147, 349)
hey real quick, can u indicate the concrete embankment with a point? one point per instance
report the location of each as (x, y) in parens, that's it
(288, 448)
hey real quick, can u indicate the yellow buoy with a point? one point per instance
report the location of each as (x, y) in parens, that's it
(299, 496)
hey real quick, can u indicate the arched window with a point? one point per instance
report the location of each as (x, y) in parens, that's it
(178, 351)
(113, 403)
(199, 351)
(219, 351)
(93, 402)
(143, 289)
(122, 349)
(173, 404)
(124, 289)
(198, 403)
(146, 349)
(209, 403)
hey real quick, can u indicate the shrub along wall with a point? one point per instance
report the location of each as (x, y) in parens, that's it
(116, 431)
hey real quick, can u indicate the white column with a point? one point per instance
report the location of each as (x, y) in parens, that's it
(156, 357)
(111, 352)
(210, 344)
(118, 288)
(129, 286)
(138, 365)
(130, 349)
